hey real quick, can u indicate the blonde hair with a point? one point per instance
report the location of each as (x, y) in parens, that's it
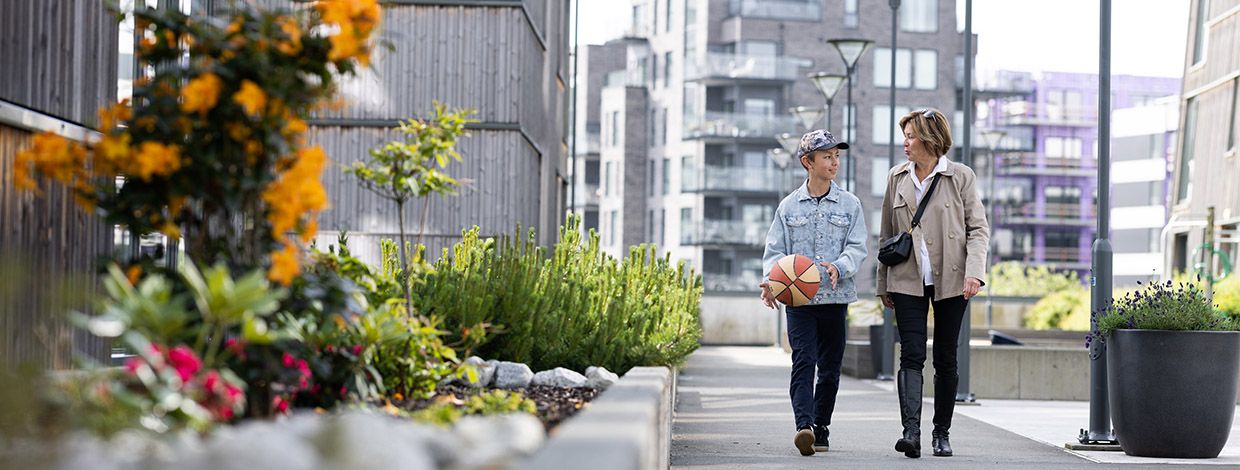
(930, 126)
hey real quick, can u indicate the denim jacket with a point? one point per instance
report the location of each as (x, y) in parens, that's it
(833, 230)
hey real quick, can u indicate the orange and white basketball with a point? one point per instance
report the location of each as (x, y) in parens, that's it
(794, 280)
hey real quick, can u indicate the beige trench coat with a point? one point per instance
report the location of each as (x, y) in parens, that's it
(954, 227)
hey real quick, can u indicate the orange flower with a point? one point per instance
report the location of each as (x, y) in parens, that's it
(111, 153)
(297, 195)
(284, 265)
(294, 126)
(344, 45)
(237, 131)
(171, 230)
(133, 274)
(53, 156)
(110, 117)
(251, 98)
(201, 93)
(155, 159)
(293, 45)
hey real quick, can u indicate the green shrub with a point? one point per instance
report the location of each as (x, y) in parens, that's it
(1015, 279)
(1227, 297)
(575, 309)
(1067, 309)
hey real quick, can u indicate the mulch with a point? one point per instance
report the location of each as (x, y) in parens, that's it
(553, 404)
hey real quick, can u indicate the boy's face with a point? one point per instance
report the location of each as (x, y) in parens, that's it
(823, 164)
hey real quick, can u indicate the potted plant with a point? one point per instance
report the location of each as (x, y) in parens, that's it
(1172, 370)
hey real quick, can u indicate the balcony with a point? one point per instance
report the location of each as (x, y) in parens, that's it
(1016, 139)
(797, 10)
(745, 282)
(739, 179)
(730, 126)
(1055, 254)
(725, 233)
(1029, 164)
(1050, 115)
(719, 68)
(999, 84)
(1060, 214)
(586, 195)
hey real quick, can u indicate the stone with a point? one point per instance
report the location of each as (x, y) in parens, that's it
(257, 444)
(559, 377)
(512, 375)
(600, 378)
(485, 372)
(497, 440)
(367, 440)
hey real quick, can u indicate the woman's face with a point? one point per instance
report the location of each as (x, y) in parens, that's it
(914, 148)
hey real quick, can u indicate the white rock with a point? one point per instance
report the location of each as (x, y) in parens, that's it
(259, 444)
(492, 441)
(598, 377)
(484, 369)
(512, 375)
(559, 377)
(363, 440)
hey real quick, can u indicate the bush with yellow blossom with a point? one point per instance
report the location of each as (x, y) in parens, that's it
(212, 147)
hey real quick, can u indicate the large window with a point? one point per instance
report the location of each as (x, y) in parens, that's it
(667, 176)
(914, 69)
(615, 128)
(851, 18)
(1199, 32)
(919, 16)
(849, 131)
(1184, 179)
(1062, 147)
(883, 127)
(878, 177)
(667, 69)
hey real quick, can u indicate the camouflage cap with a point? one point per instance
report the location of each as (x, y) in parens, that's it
(818, 139)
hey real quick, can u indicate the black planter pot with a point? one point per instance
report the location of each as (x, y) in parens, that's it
(1172, 393)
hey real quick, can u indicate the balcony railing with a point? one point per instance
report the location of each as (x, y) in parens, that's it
(739, 179)
(737, 126)
(722, 66)
(777, 9)
(1052, 214)
(1051, 115)
(725, 232)
(1031, 164)
(1054, 254)
(745, 282)
(587, 195)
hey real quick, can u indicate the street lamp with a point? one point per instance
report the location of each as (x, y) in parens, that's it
(851, 50)
(789, 142)
(828, 84)
(808, 115)
(992, 137)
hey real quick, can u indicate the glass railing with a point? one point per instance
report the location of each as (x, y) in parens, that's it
(725, 232)
(721, 178)
(745, 282)
(777, 9)
(733, 125)
(587, 195)
(736, 66)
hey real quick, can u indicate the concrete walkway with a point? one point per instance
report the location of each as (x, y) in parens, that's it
(733, 411)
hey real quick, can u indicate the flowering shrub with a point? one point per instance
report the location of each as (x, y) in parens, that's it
(1162, 306)
(213, 146)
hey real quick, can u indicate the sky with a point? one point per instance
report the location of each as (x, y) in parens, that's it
(1147, 36)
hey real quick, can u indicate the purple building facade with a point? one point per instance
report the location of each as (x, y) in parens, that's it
(1043, 205)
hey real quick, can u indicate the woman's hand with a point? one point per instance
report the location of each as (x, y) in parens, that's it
(767, 297)
(971, 286)
(887, 302)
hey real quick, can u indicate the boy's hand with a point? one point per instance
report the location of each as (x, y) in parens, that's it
(832, 272)
(767, 297)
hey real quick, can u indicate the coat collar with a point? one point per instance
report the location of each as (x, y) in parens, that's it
(803, 192)
(946, 163)
(905, 187)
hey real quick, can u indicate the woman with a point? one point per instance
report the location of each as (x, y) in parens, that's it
(947, 267)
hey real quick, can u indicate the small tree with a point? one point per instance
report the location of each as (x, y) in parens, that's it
(403, 170)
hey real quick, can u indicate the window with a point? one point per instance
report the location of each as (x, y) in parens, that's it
(662, 226)
(925, 68)
(650, 177)
(608, 169)
(654, 16)
(667, 17)
(686, 219)
(654, 71)
(850, 14)
(663, 130)
(884, 129)
(1062, 195)
(1062, 147)
(882, 67)
(667, 69)
(592, 176)
(1184, 179)
(1199, 33)
(878, 176)
(919, 16)
(849, 132)
(667, 176)
(615, 128)
(611, 228)
(686, 168)
(760, 107)
(1231, 128)
(641, 70)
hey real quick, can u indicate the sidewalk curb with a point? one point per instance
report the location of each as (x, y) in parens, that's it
(628, 427)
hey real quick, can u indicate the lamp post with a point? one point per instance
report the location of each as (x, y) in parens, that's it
(850, 51)
(992, 137)
(808, 115)
(828, 84)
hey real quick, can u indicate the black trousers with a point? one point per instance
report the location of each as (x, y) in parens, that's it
(911, 317)
(816, 334)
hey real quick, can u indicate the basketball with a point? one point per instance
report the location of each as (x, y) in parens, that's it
(794, 280)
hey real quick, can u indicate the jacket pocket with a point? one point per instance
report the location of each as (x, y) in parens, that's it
(840, 219)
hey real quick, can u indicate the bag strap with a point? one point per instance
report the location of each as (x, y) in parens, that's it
(924, 201)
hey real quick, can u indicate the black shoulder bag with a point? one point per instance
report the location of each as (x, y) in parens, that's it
(896, 250)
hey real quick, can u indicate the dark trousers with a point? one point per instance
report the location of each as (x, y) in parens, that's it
(911, 313)
(816, 334)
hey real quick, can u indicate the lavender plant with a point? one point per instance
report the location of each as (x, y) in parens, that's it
(1161, 306)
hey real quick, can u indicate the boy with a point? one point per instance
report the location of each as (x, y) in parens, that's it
(823, 222)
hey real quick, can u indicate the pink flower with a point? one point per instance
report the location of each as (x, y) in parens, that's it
(133, 363)
(184, 361)
(279, 404)
(357, 350)
(288, 360)
(211, 381)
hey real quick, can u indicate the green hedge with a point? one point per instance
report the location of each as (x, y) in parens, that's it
(577, 308)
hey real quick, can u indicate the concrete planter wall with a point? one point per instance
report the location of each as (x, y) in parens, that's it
(1172, 393)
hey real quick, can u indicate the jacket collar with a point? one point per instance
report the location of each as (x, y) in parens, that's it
(904, 186)
(946, 163)
(803, 192)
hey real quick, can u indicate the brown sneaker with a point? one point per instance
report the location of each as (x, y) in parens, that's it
(805, 441)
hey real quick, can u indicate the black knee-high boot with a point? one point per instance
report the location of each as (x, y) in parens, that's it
(944, 407)
(908, 385)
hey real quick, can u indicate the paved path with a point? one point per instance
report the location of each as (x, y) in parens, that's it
(733, 411)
